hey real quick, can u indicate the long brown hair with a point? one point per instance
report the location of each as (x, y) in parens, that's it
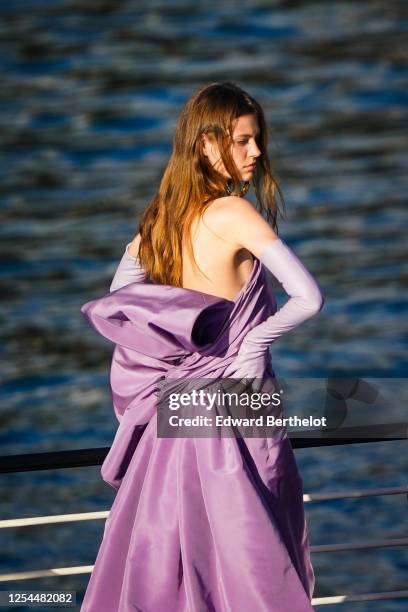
(190, 182)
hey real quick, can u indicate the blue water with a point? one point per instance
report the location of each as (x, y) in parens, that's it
(89, 99)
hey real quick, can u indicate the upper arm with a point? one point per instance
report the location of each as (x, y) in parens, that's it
(244, 226)
(134, 247)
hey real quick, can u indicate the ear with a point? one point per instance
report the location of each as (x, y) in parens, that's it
(209, 147)
(205, 144)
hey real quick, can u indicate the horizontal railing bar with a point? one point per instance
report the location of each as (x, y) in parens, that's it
(101, 514)
(319, 442)
(60, 518)
(359, 545)
(86, 457)
(51, 460)
(339, 599)
(55, 571)
(87, 569)
(327, 496)
(53, 518)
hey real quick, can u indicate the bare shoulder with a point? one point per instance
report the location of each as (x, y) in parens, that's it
(134, 246)
(241, 224)
(229, 211)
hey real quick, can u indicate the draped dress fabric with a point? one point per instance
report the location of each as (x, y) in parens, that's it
(197, 524)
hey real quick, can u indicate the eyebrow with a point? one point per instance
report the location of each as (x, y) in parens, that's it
(246, 135)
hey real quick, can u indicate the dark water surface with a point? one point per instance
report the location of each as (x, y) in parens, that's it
(90, 94)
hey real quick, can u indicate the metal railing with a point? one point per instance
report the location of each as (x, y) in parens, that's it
(96, 456)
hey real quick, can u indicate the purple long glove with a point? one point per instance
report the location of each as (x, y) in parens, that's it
(129, 270)
(306, 300)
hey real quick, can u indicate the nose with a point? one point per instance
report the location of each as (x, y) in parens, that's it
(254, 150)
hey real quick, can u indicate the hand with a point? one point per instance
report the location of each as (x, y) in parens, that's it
(249, 364)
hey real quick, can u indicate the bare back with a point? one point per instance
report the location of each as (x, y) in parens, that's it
(223, 240)
(227, 265)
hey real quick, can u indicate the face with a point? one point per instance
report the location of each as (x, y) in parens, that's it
(243, 148)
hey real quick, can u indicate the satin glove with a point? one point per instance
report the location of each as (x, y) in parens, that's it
(129, 270)
(306, 300)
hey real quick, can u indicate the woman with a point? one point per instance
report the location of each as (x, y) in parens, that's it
(202, 523)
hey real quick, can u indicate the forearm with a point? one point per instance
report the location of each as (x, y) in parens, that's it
(129, 270)
(306, 297)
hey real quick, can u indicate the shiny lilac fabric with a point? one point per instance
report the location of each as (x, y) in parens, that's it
(197, 524)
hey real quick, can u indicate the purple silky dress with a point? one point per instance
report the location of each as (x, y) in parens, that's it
(197, 524)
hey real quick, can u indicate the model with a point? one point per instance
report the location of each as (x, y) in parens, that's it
(203, 523)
